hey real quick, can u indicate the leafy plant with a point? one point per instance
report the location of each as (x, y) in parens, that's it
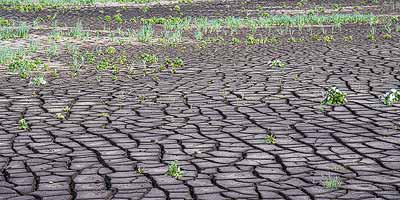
(118, 18)
(21, 31)
(145, 33)
(107, 18)
(4, 22)
(276, 63)
(148, 59)
(66, 109)
(174, 170)
(77, 31)
(334, 97)
(270, 139)
(39, 80)
(23, 124)
(111, 50)
(140, 170)
(23, 67)
(391, 97)
(332, 183)
(60, 116)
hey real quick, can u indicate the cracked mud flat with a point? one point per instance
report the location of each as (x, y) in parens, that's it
(212, 117)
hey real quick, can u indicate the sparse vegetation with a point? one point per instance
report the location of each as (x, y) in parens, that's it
(334, 97)
(391, 97)
(174, 170)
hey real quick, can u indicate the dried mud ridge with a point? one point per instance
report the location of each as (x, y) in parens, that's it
(212, 117)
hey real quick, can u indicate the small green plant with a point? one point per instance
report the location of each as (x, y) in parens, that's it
(66, 109)
(276, 63)
(111, 50)
(77, 32)
(60, 116)
(270, 139)
(8, 32)
(23, 67)
(107, 18)
(104, 65)
(23, 124)
(387, 36)
(391, 97)
(33, 46)
(332, 183)
(104, 114)
(145, 33)
(334, 97)
(347, 38)
(148, 59)
(141, 99)
(235, 41)
(118, 18)
(328, 38)
(38, 80)
(174, 170)
(4, 22)
(140, 170)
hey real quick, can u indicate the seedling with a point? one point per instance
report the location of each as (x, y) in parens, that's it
(38, 80)
(107, 18)
(276, 63)
(60, 116)
(141, 99)
(334, 97)
(148, 59)
(118, 18)
(174, 170)
(391, 97)
(67, 109)
(104, 114)
(23, 124)
(270, 139)
(111, 50)
(235, 41)
(332, 183)
(140, 170)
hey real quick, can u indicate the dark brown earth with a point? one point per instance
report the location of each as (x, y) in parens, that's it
(212, 117)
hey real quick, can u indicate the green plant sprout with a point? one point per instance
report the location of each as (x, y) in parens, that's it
(67, 109)
(174, 170)
(140, 170)
(332, 183)
(60, 116)
(38, 80)
(391, 97)
(23, 124)
(270, 139)
(334, 97)
(276, 63)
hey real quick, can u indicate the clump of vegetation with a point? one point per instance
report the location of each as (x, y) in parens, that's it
(4, 22)
(391, 97)
(148, 59)
(7, 32)
(174, 170)
(118, 18)
(23, 124)
(23, 67)
(39, 80)
(334, 97)
(145, 33)
(332, 183)
(140, 170)
(60, 116)
(270, 139)
(277, 63)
